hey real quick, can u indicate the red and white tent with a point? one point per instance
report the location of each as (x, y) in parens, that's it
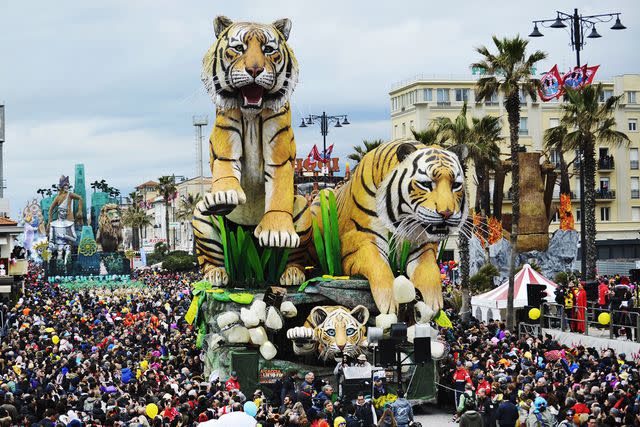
(488, 305)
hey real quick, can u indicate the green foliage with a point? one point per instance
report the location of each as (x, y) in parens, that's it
(155, 257)
(398, 255)
(441, 248)
(113, 263)
(482, 281)
(327, 243)
(245, 261)
(562, 278)
(161, 248)
(179, 261)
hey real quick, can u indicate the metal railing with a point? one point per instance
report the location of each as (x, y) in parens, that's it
(606, 163)
(633, 164)
(605, 194)
(555, 316)
(635, 194)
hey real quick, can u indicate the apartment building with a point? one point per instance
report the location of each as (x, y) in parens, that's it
(417, 101)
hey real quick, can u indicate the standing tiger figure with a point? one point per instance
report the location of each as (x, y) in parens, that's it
(410, 191)
(250, 72)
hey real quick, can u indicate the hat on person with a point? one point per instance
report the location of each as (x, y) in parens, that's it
(234, 374)
(540, 403)
(362, 358)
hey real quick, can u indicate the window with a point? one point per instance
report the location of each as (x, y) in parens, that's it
(462, 95)
(631, 97)
(604, 184)
(427, 95)
(606, 94)
(443, 96)
(411, 125)
(556, 217)
(492, 100)
(578, 215)
(522, 95)
(635, 214)
(524, 130)
(635, 187)
(555, 158)
(633, 158)
(395, 131)
(404, 130)
(554, 122)
(633, 125)
(604, 214)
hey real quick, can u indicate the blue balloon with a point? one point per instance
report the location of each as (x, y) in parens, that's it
(250, 408)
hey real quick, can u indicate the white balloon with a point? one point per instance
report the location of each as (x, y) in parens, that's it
(437, 349)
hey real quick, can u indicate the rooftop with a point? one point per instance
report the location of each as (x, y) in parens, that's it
(7, 221)
(147, 184)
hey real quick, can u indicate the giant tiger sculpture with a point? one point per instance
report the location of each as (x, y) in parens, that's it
(405, 188)
(250, 72)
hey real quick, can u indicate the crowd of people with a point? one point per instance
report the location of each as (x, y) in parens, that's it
(101, 356)
(502, 380)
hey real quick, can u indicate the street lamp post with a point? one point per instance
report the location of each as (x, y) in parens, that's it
(324, 121)
(577, 26)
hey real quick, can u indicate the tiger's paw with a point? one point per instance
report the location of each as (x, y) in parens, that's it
(293, 276)
(225, 195)
(383, 297)
(276, 231)
(300, 333)
(217, 276)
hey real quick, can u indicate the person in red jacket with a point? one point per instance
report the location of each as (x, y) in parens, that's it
(460, 378)
(232, 383)
(603, 294)
(483, 384)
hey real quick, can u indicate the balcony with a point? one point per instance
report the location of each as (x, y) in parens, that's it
(604, 194)
(635, 194)
(444, 104)
(556, 196)
(492, 103)
(606, 163)
(633, 164)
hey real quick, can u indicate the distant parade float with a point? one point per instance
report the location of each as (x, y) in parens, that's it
(55, 233)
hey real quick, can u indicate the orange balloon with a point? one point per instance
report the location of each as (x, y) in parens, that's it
(443, 276)
(26, 311)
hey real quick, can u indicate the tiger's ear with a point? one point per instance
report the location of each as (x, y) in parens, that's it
(404, 150)
(284, 26)
(361, 314)
(221, 23)
(318, 315)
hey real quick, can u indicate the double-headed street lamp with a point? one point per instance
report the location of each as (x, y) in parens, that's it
(578, 25)
(324, 121)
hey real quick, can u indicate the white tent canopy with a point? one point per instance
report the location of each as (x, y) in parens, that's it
(488, 305)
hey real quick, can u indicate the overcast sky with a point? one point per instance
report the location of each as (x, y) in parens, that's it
(114, 84)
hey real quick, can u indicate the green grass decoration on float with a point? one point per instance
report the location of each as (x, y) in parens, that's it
(327, 243)
(244, 261)
(398, 260)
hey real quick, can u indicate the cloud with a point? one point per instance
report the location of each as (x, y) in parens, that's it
(114, 85)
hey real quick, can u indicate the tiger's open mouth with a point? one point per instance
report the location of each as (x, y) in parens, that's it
(252, 95)
(437, 229)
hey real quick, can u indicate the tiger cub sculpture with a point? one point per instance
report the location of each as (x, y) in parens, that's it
(407, 190)
(331, 331)
(250, 72)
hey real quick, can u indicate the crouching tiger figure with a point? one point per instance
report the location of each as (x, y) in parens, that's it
(410, 191)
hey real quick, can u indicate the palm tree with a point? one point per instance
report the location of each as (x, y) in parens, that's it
(431, 136)
(485, 153)
(359, 152)
(137, 219)
(508, 72)
(477, 143)
(167, 189)
(586, 122)
(185, 211)
(554, 140)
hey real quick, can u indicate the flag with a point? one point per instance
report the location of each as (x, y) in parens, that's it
(316, 154)
(313, 156)
(575, 79)
(551, 85)
(591, 73)
(327, 154)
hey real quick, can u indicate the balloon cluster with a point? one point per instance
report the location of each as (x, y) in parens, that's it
(445, 267)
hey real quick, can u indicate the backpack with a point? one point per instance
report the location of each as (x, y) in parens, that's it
(470, 402)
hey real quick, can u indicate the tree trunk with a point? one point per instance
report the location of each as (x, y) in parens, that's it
(463, 247)
(512, 105)
(589, 216)
(486, 191)
(498, 190)
(565, 183)
(135, 238)
(166, 222)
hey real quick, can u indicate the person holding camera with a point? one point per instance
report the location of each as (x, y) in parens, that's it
(364, 412)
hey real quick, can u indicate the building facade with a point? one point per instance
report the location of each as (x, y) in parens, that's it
(416, 102)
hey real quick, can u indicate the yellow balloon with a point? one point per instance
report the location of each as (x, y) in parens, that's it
(49, 330)
(144, 365)
(534, 314)
(152, 410)
(55, 339)
(604, 318)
